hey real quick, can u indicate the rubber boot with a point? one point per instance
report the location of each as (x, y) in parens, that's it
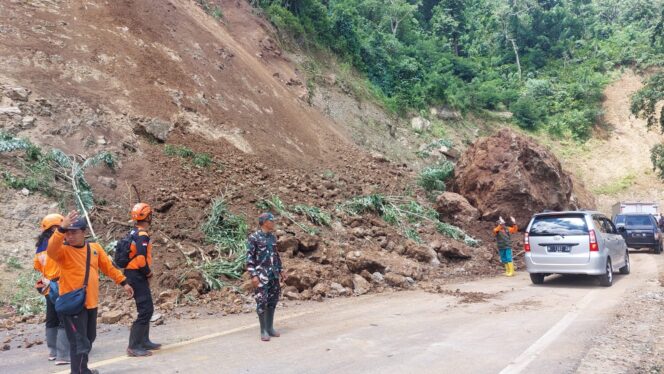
(270, 323)
(510, 267)
(52, 342)
(262, 319)
(147, 344)
(507, 269)
(62, 348)
(135, 348)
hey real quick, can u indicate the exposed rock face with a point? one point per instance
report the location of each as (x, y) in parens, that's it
(510, 174)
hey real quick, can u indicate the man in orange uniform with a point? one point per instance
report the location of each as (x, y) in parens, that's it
(138, 275)
(56, 337)
(68, 248)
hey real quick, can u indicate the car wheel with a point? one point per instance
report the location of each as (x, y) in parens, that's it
(627, 268)
(658, 248)
(606, 279)
(537, 278)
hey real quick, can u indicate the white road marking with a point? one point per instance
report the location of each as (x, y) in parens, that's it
(187, 342)
(519, 364)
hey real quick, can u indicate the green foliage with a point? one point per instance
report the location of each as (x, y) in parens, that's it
(39, 171)
(25, 299)
(644, 101)
(202, 160)
(314, 214)
(416, 54)
(275, 205)
(456, 233)
(228, 232)
(14, 263)
(9, 143)
(433, 178)
(619, 185)
(213, 10)
(657, 159)
(528, 113)
(405, 213)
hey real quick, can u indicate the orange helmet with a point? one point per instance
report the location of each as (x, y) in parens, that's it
(140, 212)
(50, 221)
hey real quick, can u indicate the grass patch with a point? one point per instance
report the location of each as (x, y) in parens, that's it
(433, 178)
(14, 263)
(25, 299)
(201, 160)
(617, 186)
(228, 232)
(313, 214)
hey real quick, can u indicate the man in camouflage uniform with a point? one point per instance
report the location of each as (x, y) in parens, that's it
(264, 267)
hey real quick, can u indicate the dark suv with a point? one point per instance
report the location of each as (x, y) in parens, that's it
(640, 231)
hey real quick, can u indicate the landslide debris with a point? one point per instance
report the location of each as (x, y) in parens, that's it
(510, 174)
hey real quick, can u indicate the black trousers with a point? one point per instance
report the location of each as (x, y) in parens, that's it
(53, 320)
(142, 296)
(81, 332)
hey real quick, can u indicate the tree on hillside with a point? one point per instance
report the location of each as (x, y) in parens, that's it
(400, 10)
(644, 105)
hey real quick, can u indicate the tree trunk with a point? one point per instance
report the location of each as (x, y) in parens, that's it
(516, 53)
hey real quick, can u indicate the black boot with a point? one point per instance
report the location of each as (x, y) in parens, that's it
(262, 319)
(147, 344)
(270, 323)
(135, 348)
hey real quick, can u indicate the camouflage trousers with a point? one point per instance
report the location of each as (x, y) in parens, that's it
(267, 295)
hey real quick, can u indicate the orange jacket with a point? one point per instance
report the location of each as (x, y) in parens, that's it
(140, 253)
(48, 268)
(71, 261)
(45, 265)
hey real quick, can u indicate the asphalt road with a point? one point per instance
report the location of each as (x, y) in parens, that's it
(520, 328)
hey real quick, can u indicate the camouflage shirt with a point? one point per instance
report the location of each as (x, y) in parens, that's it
(262, 257)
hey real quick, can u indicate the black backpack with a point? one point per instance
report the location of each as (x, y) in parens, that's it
(122, 250)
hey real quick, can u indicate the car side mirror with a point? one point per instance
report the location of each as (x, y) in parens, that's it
(621, 229)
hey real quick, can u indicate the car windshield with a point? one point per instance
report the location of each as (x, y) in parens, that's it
(558, 225)
(638, 221)
(619, 220)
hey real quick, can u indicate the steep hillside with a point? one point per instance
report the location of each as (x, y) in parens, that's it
(615, 165)
(196, 110)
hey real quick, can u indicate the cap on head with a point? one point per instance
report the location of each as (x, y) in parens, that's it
(50, 221)
(141, 212)
(79, 224)
(264, 218)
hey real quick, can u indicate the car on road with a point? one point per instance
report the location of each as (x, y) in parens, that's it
(640, 231)
(574, 242)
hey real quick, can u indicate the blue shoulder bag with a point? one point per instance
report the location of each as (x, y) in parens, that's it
(73, 302)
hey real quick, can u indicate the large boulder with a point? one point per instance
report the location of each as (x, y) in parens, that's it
(454, 208)
(510, 174)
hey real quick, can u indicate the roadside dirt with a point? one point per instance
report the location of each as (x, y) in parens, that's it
(633, 341)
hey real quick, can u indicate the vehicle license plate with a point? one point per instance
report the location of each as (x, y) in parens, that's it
(559, 248)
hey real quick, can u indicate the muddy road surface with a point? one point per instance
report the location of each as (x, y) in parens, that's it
(499, 325)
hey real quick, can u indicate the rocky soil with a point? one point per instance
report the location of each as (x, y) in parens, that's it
(509, 174)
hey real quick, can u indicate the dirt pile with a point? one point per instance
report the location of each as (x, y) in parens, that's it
(509, 174)
(159, 83)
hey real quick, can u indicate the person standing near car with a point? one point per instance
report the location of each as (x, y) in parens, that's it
(503, 234)
(56, 337)
(81, 261)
